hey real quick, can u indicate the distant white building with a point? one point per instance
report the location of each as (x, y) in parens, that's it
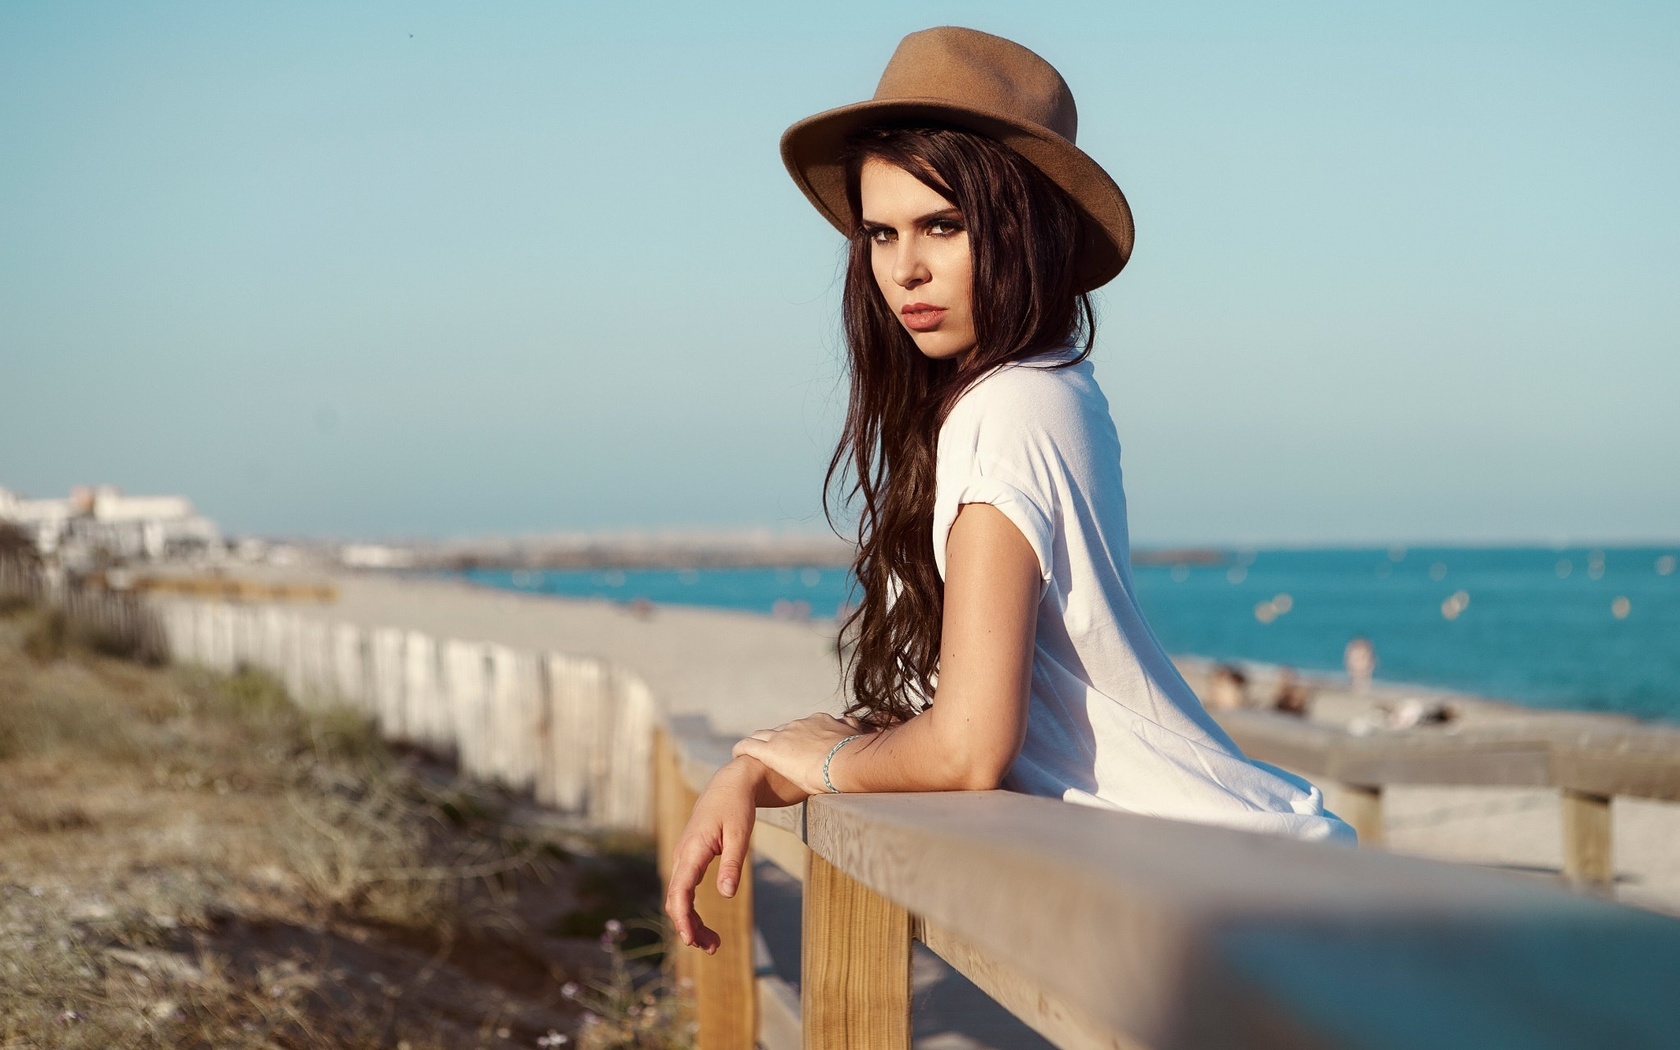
(375, 556)
(102, 518)
(44, 520)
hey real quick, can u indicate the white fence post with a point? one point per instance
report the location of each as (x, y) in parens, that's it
(468, 703)
(427, 705)
(314, 642)
(515, 716)
(349, 670)
(629, 800)
(388, 684)
(224, 654)
(574, 695)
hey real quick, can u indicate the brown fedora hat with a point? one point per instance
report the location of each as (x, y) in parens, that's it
(983, 83)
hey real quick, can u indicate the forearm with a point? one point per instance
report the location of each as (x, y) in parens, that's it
(930, 752)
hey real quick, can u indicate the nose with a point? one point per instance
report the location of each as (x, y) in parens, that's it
(909, 265)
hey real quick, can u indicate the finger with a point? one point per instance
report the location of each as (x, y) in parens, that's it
(732, 859)
(698, 935)
(705, 938)
(763, 736)
(679, 908)
(701, 936)
(688, 867)
(751, 747)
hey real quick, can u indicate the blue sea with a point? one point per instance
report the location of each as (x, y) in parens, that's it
(1578, 627)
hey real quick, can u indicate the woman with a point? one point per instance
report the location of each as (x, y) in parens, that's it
(998, 642)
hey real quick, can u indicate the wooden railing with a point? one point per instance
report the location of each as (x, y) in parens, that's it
(1587, 767)
(1103, 929)
(1096, 928)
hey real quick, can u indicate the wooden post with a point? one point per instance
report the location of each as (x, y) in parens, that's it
(723, 985)
(1363, 810)
(1586, 839)
(667, 823)
(855, 965)
(671, 808)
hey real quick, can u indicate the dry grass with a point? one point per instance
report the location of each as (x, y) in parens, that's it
(189, 860)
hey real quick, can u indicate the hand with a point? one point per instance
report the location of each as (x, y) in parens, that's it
(720, 826)
(798, 749)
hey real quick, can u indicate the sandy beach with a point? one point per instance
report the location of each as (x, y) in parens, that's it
(745, 671)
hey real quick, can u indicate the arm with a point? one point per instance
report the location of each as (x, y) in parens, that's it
(966, 740)
(972, 733)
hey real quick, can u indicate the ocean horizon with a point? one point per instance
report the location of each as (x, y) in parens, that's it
(1583, 628)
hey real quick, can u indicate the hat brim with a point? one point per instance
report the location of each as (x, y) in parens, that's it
(814, 151)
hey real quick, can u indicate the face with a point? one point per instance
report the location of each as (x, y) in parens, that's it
(918, 249)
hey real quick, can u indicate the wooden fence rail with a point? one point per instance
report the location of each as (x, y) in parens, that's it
(1588, 768)
(1102, 929)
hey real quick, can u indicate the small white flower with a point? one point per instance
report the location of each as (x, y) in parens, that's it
(615, 927)
(570, 989)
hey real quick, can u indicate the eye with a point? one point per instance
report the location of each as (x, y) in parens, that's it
(880, 234)
(944, 227)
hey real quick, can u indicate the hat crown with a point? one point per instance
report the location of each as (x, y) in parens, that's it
(980, 71)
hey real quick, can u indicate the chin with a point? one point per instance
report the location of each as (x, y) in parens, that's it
(941, 347)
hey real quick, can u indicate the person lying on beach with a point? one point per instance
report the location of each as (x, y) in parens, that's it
(998, 642)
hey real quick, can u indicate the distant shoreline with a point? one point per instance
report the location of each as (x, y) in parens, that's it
(766, 550)
(641, 553)
(1335, 702)
(648, 598)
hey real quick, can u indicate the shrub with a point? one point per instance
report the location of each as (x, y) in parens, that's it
(48, 638)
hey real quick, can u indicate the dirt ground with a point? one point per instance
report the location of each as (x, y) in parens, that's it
(187, 860)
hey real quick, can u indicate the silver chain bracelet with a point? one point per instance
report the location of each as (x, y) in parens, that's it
(835, 750)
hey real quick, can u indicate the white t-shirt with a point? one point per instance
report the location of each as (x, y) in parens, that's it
(1110, 722)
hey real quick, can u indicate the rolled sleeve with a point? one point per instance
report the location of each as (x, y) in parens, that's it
(1025, 513)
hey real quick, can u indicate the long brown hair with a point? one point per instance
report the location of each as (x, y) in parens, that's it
(1023, 235)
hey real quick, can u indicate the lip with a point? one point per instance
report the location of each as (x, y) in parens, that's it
(922, 317)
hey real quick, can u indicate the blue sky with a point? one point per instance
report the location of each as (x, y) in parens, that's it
(1403, 272)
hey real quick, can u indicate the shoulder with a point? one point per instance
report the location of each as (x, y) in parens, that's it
(1031, 397)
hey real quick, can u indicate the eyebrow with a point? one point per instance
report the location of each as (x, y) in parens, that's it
(923, 220)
